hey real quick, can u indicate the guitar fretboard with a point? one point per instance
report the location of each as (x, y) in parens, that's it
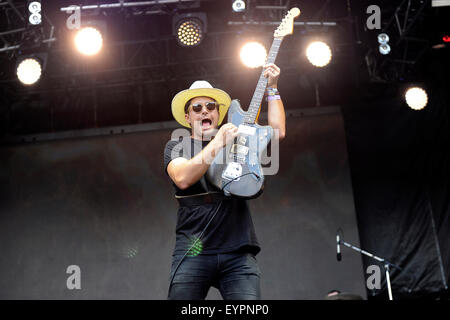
(255, 103)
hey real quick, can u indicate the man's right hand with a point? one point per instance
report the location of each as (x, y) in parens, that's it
(226, 134)
(184, 173)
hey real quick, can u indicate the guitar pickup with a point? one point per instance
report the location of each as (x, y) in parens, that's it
(242, 150)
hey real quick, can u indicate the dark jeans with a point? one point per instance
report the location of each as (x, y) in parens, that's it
(235, 275)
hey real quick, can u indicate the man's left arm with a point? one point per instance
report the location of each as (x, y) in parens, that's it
(276, 116)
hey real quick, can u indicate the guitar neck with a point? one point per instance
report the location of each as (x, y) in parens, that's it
(255, 103)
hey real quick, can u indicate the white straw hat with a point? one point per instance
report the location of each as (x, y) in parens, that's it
(199, 88)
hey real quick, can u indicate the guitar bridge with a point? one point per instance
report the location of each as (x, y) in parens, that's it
(233, 171)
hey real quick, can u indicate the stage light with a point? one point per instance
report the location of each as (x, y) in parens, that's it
(29, 71)
(383, 38)
(238, 5)
(253, 54)
(88, 41)
(189, 29)
(34, 7)
(416, 98)
(384, 48)
(318, 53)
(189, 33)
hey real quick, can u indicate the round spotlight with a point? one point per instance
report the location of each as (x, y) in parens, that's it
(29, 71)
(34, 7)
(318, 53)
(238, 6)
(416, 98)
(384, 48)
(189, 32)
(253, 54)
(383, 38)
(88, 41)
(35, 19)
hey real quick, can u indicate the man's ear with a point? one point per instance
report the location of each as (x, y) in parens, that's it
(186, 116)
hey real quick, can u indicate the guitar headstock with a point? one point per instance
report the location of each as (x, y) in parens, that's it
(287, 24)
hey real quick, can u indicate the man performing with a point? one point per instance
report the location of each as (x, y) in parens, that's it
(216, 242)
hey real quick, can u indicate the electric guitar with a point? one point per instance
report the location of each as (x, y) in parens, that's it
(236, 169)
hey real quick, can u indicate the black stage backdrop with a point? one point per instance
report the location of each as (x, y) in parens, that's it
(105, 205)
(400, 167)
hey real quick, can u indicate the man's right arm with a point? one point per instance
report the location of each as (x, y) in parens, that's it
(185, 173)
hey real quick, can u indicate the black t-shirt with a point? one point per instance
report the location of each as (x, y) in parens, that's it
(232, 227)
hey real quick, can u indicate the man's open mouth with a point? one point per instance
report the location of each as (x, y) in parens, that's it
(206, 123)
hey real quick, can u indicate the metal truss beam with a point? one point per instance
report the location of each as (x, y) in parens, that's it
(122, 4)
(276, 23)
(17, 46)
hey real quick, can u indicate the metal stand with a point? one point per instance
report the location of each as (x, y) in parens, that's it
(387, 264)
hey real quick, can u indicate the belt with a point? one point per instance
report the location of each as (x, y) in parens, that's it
(201, 198)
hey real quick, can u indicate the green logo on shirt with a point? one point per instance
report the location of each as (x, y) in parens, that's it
(196, 247)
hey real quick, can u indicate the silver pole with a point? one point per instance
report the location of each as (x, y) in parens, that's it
(386, 265)
(18, 46)
(12, 31)
(388, 281)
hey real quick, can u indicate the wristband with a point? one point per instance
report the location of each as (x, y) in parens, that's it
(273, 97)
(272, 91)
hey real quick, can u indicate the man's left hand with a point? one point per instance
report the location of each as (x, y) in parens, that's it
(272, 73)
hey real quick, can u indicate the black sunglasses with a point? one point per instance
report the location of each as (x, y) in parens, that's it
(198, 107)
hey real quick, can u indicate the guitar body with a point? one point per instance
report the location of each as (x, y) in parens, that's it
(237, 168)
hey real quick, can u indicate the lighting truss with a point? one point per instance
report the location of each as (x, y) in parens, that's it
(407, 44)
(19, 27)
